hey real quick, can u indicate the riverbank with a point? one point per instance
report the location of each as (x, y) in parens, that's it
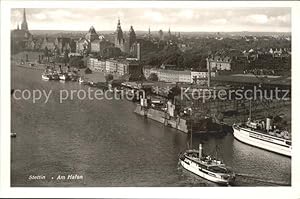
(94, 76)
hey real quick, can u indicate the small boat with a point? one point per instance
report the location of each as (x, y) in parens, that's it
(206, 167)
(45, 77)
(92, 84)
(80, 80)
(62, 77)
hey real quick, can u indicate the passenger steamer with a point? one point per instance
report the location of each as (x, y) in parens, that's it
(206, 167)
(263, 135)
(267, 137)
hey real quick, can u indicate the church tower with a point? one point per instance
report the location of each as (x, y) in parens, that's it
(119, 39)
(24, 25)
(132, 37)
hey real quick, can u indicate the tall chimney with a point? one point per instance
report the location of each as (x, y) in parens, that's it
(208, 72)
(200, 151)
(138, 51)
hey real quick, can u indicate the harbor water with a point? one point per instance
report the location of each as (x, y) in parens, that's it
(107, 144)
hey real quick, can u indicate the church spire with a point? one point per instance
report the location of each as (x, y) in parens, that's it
(24, 25)
(119, 33)
(119, 23)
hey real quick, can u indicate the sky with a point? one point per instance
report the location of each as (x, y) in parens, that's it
(177, 19)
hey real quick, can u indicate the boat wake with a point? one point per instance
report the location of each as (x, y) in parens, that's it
(256, 178)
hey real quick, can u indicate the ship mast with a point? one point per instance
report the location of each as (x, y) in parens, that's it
(191, 135)
(250, 111)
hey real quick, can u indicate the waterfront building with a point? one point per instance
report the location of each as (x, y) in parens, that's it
(184, 76)
(96, 64)
(195, 77)
(168, 75)
(122, 67)
(217, 63)
(111, 66)
(200, 77)
(173, 76)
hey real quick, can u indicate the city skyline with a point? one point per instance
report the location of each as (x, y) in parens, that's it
(183, 20)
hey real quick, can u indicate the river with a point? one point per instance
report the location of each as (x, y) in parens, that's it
(107, 144)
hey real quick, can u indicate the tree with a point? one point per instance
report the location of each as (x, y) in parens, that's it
(174, 91)
(88, 71)
(153, 77)
(76, 62)
(109, 77)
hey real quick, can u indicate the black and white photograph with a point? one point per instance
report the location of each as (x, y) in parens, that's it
(150, 96)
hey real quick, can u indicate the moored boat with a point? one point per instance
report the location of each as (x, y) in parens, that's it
(264, 135)
(62, 77)
(268, 138)
(45, 77)
(80, 80)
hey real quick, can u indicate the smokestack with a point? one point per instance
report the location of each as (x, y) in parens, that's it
(268, 124)
(208, 72)
(138, 51)
(200, 151)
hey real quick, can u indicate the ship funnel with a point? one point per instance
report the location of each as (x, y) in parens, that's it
(268, 123)
(200, 151)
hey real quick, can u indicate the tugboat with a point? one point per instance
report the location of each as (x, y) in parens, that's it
(264, 135)
(206, 167)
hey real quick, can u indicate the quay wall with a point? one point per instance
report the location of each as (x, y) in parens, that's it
(160, 116)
